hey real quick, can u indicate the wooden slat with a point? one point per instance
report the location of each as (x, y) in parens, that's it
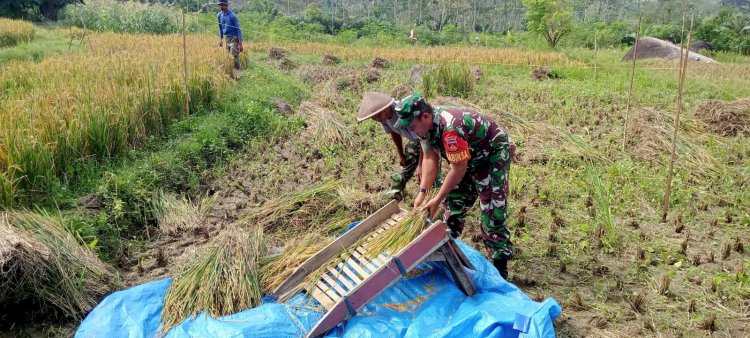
(333, 249)
(380, 260)
(343, 278)
(363, 251)
(352, 274)
(357, 268)
(336, 287)
(364, 262)
(327, 290)
(322, 298)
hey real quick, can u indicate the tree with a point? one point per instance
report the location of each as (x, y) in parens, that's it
(28, 8)
(553, 19)
(50, 8)
(313, 14)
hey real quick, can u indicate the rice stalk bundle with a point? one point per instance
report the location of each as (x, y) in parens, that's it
(326, 126)
(276, 269)
(222, 281)
(309, 209)
(42, 262)
(652, 137)
(176, 215)
(398, 236)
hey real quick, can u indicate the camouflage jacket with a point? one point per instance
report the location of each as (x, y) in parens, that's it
(462, 134)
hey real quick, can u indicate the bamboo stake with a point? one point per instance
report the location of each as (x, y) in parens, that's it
(596, 53)
(630, 90)
(185, 66)
(684, 53)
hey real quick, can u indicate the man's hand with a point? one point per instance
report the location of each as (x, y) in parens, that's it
(239, 46)
(401, 160)
(431, 207)
(419, 199)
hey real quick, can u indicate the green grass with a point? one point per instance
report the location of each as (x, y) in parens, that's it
(46, 43)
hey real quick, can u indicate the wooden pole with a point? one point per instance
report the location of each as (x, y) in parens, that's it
(684, 53)
(596, 53)
(630, 90)
(185, 66)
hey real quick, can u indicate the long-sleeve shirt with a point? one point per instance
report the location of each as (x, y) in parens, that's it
(229, 25)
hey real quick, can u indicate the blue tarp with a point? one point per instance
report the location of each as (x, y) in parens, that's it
(426, 305)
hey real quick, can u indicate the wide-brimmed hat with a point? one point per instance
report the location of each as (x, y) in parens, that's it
(373, 103)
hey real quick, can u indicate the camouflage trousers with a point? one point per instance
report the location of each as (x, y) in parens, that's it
(233, 48)
(489, 182)
(400, 178)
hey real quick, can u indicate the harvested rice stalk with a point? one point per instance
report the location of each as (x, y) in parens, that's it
(274, 270)
(222, 281)
(395, 238)
(176, 215)
(41, 261)
(326, 126)
(310, 209)
(359, 200)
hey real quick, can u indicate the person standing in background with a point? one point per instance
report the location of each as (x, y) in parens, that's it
(229, 28)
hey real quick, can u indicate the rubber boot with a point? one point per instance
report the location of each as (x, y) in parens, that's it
(502, 266)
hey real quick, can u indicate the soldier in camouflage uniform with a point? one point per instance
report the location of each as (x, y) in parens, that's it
(382, 108)
(479, 152)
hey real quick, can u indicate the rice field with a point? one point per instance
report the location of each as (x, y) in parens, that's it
(98, 103)
(13, 32)
(441, 54)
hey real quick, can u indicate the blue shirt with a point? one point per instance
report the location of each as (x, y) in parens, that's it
(229, 25)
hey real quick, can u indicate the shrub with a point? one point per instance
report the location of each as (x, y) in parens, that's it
(129, 17)
(448, 80)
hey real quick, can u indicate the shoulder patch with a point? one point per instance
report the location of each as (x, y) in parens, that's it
(456, 148)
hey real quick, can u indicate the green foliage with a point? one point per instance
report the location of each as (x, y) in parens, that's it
(448, 80)
(45, 43)
(669, 32)
(608, 35)
(105, 15)
(313, 14)
(728, 31)
(34, 9)
(552, 19)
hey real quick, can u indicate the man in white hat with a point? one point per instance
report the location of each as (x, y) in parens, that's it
(382, 108)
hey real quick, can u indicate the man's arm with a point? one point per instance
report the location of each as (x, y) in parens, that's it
(455, 174)
(458, 155)
(221, 31)
(430, 169)
(418, 172)
(398, 141)
(236, 23)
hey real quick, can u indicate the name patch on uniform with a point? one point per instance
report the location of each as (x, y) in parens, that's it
(456, 148)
